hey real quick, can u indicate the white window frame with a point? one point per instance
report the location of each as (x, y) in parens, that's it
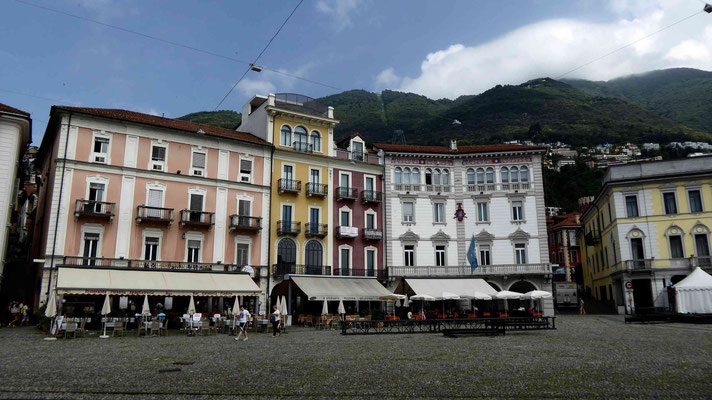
(480, 250)
(444, 252)
(415, 254)
(366, 178)
(351, 215)
(375, 218)
(199, 191)
(351, 182)
(443, 221)
(702, 199)
(93, 154)
(677, 203)
(477, 212)
(163, 164)
(291, 136)
(375, 258)
(526, 255)
(351, 256)
(321, 137)
(310, 174)
(522, 218)
(151, 232)
(243, 197)
(193, 170)
(294, 170)
(195, 236)
(92, 228)
(244, 240)
(96, 179)
(157, 186)
(242, 177)
(403, 220)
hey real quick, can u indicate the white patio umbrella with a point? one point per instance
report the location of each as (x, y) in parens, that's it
(106, 310)
(536, 295)
(284, 311)
(235, 311)
(507, 295)
(325, 308)
(448, 296)
(191, 305)
(481, 296)
(406, 303)
(146, 309)
(51, 310)
(341, 309)
(423, 298)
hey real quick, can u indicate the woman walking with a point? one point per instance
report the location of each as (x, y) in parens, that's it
(275, 321)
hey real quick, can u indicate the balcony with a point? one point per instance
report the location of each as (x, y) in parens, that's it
(463, 271)
(154, 214)
(245, 223)
(101, 262)
(372, 234)
(347, 232)
(288, 228)
(317, 189)
(372, 272)
(302, 147)
(358, 156)
(289, 186)
(289, 268)
(316, 230)
(196, 219)
(371, 196)
(661, 263)
(438, 188)
(592, 237)
(346, 193)
(94, 209)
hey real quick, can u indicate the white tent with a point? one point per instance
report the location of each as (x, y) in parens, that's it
(507, 295)
(693, 295)
(536, 295)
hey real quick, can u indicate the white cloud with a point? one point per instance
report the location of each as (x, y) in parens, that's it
(554, 47)
(340, 10)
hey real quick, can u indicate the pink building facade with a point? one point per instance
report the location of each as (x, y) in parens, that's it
(145, 192)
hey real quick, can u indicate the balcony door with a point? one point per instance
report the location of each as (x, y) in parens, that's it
(96, 196)
(703, 250)
(155, 200)
(314, 180)
(371, 262)
(196, 207)
(314, 220)
(636, 247)
(344, 182)
(370, 185)
(286, 218)
(313, 257)
(357, 151)
(286, 256)
(91, 246)
(288, 177)
(370, 221)
(243, 212)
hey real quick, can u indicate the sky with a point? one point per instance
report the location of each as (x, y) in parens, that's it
(440, 49)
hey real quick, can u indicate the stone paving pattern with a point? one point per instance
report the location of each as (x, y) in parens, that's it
(591, 356)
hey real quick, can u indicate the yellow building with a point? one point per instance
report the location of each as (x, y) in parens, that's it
(646, 230)
(301, 130)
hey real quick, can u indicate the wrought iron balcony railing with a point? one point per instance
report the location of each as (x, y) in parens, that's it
(196, 218)
(316, 230)
(289, 186)
(346, 193)
(372, 272)
(245, 223)
(101, 262)
(371, 196)
(592, 237)
(282, 269)
(302, 147)
(93, 208)
(289, 228)
(317, 189)
(154, 214)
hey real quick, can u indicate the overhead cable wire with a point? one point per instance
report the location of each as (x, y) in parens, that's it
(260, 55)
(172, 43)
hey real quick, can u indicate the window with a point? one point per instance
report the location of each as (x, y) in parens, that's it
(301, 143)
(416, 176)
(439, 213)
(524, 175)
(440, 256)
(406, 176)
(572, 238)
(155, 200)
(345, 259)
(485, 254)
(151, 248)
(315, 140)
(676, 247)
(287, 218)
(703, 249)
(244, 207)
(288, 172)
(370, 183)
(198, 163)
(428, 176)
(669, 203)
(193, 251)
(446, 178)
(285, 136)
(100, 152)
(695, 201)
(610, 215)
(631, 206)
(409, 255)
(517, 211)
(345, 218)
(96, 196)
(514, 174)
(314, 176)
(370, 262)
(398, 176)
(242, 254)
(91, 246)
(370, 221)
(408, 212)
(504, 174)
(286, 252)
(574, 255)
(482, 212)
(245, 170)
(314, 257)
(520, 253)
(357, 151)
(470, 176)
(480, 176)
(158, 158)
(489, 175)
(314, 219)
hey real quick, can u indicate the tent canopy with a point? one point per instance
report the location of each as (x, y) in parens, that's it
(464, 287)
(154, 282)
(338, 288)
(694, 293)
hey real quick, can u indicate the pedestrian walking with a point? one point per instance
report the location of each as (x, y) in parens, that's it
(275, 321)
(25, 314)
(582, 309)
(244, 319)
(16, 315)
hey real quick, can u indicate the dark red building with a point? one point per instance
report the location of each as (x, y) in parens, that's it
(564, 249)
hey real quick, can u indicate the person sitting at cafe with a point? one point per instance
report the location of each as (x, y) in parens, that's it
(161, 316)
(410, 314)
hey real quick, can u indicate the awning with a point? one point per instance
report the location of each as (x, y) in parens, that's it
(464, 287)
(340, 288)
(154, 283)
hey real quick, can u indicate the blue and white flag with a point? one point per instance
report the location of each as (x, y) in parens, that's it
(472, 255)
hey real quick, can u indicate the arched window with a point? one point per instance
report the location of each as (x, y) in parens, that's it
(470, 176)
(315, 141)
(480, 176)
(286, 136)
(406, 176)
(428, 176)
(504, 172)
(446, 177)
(524, 175)
(436, 177)
(314, 256)
(286, 252)
(514, 174)
(300, 136)
(416, 176)
(490, 175)
(398, 176)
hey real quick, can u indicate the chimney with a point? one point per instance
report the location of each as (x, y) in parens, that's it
(270, 99)
(453, 146)
(330, 112)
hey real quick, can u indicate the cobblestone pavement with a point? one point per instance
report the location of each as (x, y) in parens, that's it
(590, 356)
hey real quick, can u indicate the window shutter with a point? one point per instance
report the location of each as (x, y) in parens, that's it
(198, 160)
(245, 166)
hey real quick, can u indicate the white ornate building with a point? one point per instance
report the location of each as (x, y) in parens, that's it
(500, 190)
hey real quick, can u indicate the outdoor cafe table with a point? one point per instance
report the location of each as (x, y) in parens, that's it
(147, 325)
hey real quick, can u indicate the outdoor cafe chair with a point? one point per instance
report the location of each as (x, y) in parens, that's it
(309, 320)
(119, 327)
(155, 327)
(71, 329)
(139, 328)
(164, 328)
(82, 329)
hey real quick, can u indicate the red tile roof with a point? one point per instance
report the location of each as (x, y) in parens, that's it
(559, 221)
(487, 148)
(6, 108)
(170, 123)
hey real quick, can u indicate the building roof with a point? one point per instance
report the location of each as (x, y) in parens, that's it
(658, 169)
(170, 123)
(564, 220)
(13, 110)
(487, 148)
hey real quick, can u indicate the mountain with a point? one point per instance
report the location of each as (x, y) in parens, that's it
(541, 110)
(224, 118)
(683, 95)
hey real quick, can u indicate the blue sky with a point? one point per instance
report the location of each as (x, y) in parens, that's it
(439, 49)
